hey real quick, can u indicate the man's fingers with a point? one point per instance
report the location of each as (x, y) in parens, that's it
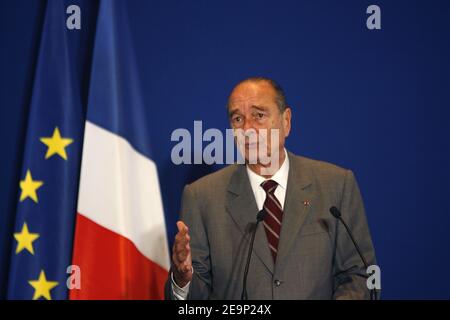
(181, 242)
(180, 225)
(182, 266)
(182, 252)
(182, 228)
(182, 249)
(181, 246)
(179, 264)
(182, 236)
(187, 268)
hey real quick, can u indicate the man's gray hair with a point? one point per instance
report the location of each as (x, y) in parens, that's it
(280, 98)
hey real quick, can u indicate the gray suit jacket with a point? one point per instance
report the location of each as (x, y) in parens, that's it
(316, 258)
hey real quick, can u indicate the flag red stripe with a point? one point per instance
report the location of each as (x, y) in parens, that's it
(111, 266)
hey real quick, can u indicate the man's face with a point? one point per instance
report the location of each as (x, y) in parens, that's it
(252, 107)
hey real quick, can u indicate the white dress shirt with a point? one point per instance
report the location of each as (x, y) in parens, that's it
(280, 177)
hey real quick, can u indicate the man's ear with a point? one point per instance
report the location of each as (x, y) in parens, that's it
(287, 115)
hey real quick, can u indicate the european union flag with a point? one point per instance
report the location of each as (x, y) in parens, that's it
(47, 191)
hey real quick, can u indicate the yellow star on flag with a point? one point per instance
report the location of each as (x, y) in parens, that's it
(29, 187)
(42, 287)
(56, 144)
(25, 239)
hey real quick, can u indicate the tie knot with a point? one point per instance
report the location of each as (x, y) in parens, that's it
(269, 186)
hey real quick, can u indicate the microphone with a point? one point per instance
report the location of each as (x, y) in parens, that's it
(259, 218)
(337, 214)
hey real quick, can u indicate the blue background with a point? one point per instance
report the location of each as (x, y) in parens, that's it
(376, 102)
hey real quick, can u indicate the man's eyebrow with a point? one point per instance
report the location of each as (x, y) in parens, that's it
(232, 112)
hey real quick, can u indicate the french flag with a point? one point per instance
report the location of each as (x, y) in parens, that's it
(120, 241)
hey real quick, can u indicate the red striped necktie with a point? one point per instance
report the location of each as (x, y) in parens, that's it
(273, 216)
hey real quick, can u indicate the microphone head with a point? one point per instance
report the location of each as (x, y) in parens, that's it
(260, 215)
(335, 212)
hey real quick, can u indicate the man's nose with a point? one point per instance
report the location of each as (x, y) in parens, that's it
(248, 124)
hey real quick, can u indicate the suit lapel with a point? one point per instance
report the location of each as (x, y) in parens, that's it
(241, 205)
(294, 211)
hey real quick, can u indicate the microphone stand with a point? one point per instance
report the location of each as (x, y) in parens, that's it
(337, 214)
(259, 218)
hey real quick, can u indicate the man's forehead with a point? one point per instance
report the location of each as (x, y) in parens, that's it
(242, 99)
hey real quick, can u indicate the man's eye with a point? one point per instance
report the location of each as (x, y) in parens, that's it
(237, 119)
(260, 115)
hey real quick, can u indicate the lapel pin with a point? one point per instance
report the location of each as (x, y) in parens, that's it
(306, 203)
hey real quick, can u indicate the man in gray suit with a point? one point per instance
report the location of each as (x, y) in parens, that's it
(300, 250)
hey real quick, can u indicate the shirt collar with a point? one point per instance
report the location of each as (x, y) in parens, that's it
(280, 177)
